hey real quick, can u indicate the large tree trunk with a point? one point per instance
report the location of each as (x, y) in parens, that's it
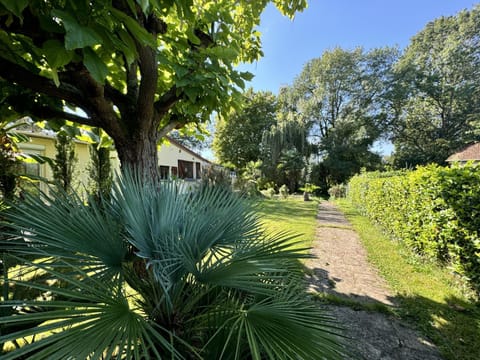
(139, 152)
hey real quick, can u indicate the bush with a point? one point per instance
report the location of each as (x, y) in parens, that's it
(434, 210)
(283, 191)
(158, 274)
(338, 191)
(268, 193)
(216, 176)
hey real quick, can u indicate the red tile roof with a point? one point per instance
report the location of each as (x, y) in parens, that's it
(471, 152)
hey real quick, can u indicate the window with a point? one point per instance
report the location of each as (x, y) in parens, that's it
(32, 171)
(198, 171)
(164, 172)
(185, 169)
(174, 171)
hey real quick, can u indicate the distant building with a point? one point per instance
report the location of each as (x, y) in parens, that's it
(471, 153)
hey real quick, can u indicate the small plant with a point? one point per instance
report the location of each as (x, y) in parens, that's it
(338, 191)
(308, 189)
(283, 191)
(268, 193)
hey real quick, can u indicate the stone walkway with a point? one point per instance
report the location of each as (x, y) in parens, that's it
(341, 268)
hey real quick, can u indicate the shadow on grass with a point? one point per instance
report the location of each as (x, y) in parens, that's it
(381, 331)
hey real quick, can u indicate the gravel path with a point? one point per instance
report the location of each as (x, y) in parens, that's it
(341, 268)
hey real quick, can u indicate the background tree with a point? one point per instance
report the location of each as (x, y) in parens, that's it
(438, 90)
(239, 134)
(347, 151)
(63, 166)
(136, 68)
(340, 99)
(284, 153)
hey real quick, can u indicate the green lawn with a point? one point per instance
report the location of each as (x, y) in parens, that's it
(292, 215)
(430, 297)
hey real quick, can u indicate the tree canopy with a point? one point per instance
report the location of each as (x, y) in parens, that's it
(438, 90)
(340, 99)
(136, 68)
(238, 134)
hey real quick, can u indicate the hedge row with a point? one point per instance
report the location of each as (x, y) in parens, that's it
(434, 210)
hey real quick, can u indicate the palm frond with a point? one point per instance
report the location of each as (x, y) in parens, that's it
(285, 327)
(62, 226)
(156, 272)
(93, 318)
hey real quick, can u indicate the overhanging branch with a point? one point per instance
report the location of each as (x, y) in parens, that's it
(166, 101)
(16, 74)
(47, 113)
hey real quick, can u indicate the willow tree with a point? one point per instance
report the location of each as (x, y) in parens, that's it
(284, 152)
(136, 68)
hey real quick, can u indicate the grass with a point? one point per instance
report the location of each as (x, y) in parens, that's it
(430, 296)
(292, 215)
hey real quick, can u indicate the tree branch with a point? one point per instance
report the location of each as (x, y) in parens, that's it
(148, 86)
(47, 113)
(29, 26)
(131, 78)
(166, 129)
(166, 101)
(117, 97)
(17, 74)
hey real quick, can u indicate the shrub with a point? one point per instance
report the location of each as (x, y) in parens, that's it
(216, 176)
(283, 191)
(63, 166)
(156, 273)
(434, 210)
(338, 191)
(268, 193)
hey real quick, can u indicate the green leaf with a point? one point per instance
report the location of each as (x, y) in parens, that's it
(15, 6)
(129, 49)
(56, 54)
(191, 93)
(77, 36)
(55, 78)
(35, 158)
(135, 29)
(95, 65)
(18, 137)
(247, 75)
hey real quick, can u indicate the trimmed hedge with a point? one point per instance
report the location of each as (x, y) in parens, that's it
(434, 210)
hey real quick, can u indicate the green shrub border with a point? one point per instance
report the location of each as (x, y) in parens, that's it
(434, 210)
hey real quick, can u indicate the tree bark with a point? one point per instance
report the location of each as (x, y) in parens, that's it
(139, 153)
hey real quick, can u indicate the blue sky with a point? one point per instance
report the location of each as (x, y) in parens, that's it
(325, 24)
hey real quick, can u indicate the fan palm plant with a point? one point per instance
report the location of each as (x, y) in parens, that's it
(156, 273)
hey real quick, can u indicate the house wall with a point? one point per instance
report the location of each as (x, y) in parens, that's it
(45, 146)
(169, 155)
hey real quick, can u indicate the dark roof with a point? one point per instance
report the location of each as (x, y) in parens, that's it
(471, 152)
